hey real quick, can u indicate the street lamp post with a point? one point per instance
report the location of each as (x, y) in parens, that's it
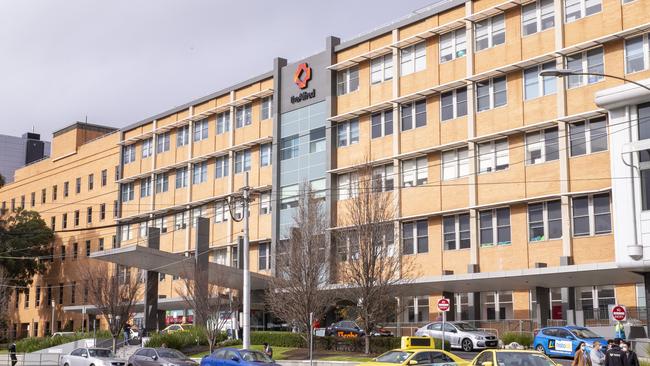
(560, 73)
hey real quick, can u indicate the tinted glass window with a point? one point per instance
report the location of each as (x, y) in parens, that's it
(76, 352)
(522, 358)
(549, 332)
(422, 357)
(563, 333)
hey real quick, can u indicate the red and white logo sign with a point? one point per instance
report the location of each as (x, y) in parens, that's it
(302, 75)
(444, 304)
(619, 313)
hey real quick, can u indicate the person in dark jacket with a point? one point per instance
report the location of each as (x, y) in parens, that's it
(12, 353)
(629, 357)
(614, 355)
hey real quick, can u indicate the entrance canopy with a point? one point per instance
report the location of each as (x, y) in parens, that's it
(176, 264)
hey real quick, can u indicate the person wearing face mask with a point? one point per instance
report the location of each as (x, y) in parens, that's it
(629, 357)
(597, 356)
(614, 355)
(581, 357)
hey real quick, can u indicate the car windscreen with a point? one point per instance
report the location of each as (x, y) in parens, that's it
(522, 359)
(170, 353)
(584, 333)
(98, 352)
(254, 356)
(394, 357)
(465, 327)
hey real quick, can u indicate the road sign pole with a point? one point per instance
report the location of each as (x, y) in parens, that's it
(444, 321)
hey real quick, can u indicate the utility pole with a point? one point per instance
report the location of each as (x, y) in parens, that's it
(247, 275)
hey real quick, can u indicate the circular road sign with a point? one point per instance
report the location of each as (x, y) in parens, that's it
(618, 313)
(443, 304)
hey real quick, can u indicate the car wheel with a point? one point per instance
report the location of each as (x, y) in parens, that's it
(467, 345)
(540, 348)
(66, 364)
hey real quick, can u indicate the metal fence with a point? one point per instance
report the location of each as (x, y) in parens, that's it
(32, 359)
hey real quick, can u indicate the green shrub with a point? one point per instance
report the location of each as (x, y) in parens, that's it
(33, 344)
(194, 336)
(279, 339)
(523, 338)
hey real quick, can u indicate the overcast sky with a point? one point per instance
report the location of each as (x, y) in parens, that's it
(119, 62)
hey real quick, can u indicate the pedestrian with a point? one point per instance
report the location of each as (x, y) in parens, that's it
(614, 355)
(610, 343)
(12, 353)
(596, 355)
(269, 351)
(581, 358)
(619, 330)
(127, 333)
(629, 357)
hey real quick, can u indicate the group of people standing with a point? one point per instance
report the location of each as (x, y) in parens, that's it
(618, 353)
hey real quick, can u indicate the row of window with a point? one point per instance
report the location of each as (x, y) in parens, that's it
(45, 296)
(75, 217)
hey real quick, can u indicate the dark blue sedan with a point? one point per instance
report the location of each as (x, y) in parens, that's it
(236, 357)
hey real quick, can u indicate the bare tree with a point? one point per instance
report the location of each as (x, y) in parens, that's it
(299, 286)
(114, 293)
(373, 269)
(212, 304)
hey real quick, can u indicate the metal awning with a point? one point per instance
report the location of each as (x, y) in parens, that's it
(438, 30)
(360, 58)
(361, 111)
(495, 10)
(177, 264)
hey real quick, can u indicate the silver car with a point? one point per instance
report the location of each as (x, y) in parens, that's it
(159, 356)
(460, 335)
(91, 357)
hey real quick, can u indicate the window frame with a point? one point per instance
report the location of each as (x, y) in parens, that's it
(378, 66)
(544, 145)
(458, 163)
(147, 148)
(583, 10)
(591, 215)
(266, 108)
(540, 81)
(385, 125)
(289, 147)
(183, 136)
(411, 55)
(222, 166)
(163, 142)
(577, 81)
(645, 49)
(491, 92)
(347, 133)
(245, 163)
(200, 172)
(181, 177)
(491, 32)
(222, 122)
(454, 45)
(265, 154)
(493, 155)
(415, 236)
(420, 171)
(494, 227)
(545, 221)
(539, 17)
(409, 121)
(587, 136)
(347, 80)
(347, 185)
(457, 232)
(200, 130)
(455, 103)
(243, 115)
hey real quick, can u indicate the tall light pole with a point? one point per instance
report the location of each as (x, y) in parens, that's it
(246, 296)
(560, 73)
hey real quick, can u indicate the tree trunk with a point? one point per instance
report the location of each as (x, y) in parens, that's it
(114, 343)
(367, 339)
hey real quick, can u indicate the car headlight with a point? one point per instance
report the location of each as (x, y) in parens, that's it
(478, 337)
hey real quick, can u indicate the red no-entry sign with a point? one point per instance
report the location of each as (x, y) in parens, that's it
(619, 313)
(443, 304)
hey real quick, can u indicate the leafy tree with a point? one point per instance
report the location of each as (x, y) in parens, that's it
(24, 237)
(2, 181)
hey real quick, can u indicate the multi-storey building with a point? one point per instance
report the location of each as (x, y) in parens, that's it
(20, 151)
(504, 180)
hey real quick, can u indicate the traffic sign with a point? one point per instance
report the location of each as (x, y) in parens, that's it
(619, 313)
(444, 304)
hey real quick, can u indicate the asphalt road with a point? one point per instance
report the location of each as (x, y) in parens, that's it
(470, 355)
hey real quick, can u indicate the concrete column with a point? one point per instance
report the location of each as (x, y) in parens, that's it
(473, 265)
(474, 299)
(151, 286)
(278, 64)
(451, 314)
(201, 261)
(542, 294)
(646, 283)
(569, 305)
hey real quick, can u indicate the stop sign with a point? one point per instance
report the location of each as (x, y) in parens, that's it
(443, 304)
(619, 313)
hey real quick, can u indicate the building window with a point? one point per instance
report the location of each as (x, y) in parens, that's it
(196, 213)
(537, 86)
(453, 45)
(381, 69)
(383, 179)
(289, 147)
(53, 222)
(183, 136)
(180, 220)
(594, 301)
(125, 232)
(147, 148)
(200, 172)
(43, 195)
(455, 164)
(265, 154)
(102, 211)
(264, 257)
(100, 244)
(181, 177)
(456, 233)
(382, 124)
(55, 190)
(200, 130)
(242, 161)
(104, 177)
(60, 303)
(162, 183)
(243, 115)
(234, 256)
(77, 188)
(588, 136)
(73, 292)
(129, 154)
(221, 212)
(115, 208)
(585, 62)
(493, 156)
(75, 251)
(160, 223)
(37, 299)
(64, 221)
(542, 146)
(145, 187)
(415, 237)
(591, 215)
(128, 192)
(223, 122)
(318, 187)
(453, 104)
(89, 215)
(348, 132)
(317, 140)
(576, 9)
(637, 53)
(221, 166)
(32, 199)
(491, 93)
(265, 203)
(163, 142)
(348, 185)
(289, 196)
(62, 253)
(418, 310)
(266, 107)
(415, 172)
(494, 226)
(537, 16)
(66, 189)
(490, 32)
(142, 229)
(347, 81)
(414, 115)
(413, 58)
(544, 221)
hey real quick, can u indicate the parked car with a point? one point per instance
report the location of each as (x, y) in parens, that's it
(380, 331)
(61, 334)
(564, 341)
(460, 335)
(502, 357)
(233, 356)
(416, 356)
(177, 328)
(91, 356)
(159, 356)
(344, 328)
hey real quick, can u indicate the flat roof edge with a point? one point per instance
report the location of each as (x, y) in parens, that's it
(84, 125)
(416, 17)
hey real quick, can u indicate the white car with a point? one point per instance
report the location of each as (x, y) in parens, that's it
(91, 357)
(460, 335)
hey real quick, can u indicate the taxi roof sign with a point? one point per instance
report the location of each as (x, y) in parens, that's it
(417, 342)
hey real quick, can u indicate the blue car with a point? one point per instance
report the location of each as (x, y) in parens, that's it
(564, 341)
(236, 357)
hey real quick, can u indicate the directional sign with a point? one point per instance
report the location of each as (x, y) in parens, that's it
(619, 313)
(444, 304)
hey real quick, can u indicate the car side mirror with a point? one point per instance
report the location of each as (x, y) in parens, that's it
(413, 362)
(235, 358)
(84, 355)
(154, 357)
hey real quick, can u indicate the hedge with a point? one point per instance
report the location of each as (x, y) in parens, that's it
(523, 338)
(33, 344)
(194, 336)
(279, 339)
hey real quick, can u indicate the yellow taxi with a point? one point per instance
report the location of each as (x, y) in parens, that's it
(416, 351)
(510, 357)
